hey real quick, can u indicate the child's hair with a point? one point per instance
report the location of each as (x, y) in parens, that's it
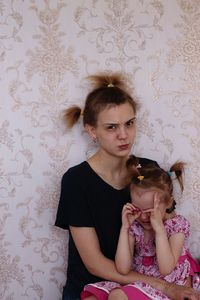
(152, 176)
(108, 91)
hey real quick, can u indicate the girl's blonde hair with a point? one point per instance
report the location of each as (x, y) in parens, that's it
(152, 176)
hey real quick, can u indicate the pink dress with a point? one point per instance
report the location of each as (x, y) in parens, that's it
(145, 262)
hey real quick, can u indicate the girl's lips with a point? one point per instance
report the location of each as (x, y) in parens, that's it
(124, 147)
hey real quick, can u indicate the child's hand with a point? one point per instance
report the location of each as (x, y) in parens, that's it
(156, 217)
(129, 215)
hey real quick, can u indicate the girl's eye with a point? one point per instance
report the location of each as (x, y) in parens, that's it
(130, 123)
(111, 127)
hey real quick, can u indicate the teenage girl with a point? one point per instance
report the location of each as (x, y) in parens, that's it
(94, 192)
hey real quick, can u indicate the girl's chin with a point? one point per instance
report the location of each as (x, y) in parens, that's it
(146, 225)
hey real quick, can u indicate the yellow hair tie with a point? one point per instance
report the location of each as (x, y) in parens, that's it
(140, 177)
(110, 85)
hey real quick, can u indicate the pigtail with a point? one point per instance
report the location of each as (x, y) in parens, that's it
(72, 115)
(178, 169)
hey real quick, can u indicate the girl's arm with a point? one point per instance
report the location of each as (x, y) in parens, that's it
(169, 250)
(87, 244)
(124, 253)
(125, 247)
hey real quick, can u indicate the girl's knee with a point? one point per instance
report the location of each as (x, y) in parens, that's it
(117, 294)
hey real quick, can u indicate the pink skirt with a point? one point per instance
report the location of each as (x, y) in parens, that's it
(130, 291)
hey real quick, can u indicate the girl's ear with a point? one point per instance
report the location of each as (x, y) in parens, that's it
(171, 200)
(91, 131)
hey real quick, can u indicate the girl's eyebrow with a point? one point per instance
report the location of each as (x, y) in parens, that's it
(132, 119)
(135, 206)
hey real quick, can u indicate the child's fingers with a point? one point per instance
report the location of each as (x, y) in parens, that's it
(127, 206)
(156, 200)
(127, 209)
(148, 210)
(135, 208)
(136, 214)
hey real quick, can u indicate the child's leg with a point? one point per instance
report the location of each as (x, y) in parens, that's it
(117, 294)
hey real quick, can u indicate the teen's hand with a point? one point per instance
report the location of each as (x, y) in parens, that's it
(178, 292)
(129, 215)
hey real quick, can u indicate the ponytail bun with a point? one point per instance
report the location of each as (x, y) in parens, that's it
(108, 81)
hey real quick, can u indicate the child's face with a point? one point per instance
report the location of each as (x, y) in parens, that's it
(144, 200)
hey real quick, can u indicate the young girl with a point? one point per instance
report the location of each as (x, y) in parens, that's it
(153, 238)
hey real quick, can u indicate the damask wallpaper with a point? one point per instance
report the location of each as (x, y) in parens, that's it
(47, 49)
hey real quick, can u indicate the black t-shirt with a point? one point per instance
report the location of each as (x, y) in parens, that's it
(88, 201)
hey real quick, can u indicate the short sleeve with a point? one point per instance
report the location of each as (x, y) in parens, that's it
(73, 208)
(178, 224)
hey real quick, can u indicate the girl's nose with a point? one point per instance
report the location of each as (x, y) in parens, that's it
(122, 133)
(145, 216)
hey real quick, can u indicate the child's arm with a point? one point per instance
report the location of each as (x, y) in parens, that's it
(125, 248)
(124, 253)
(169, 250)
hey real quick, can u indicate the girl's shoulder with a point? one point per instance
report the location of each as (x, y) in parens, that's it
(78, 171)
(81, 167)
(177, 224)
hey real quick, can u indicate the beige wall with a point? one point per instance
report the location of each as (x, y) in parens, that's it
(47, 47)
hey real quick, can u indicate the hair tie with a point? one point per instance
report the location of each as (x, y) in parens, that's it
(140, 177)
(110, 85)
(170, 173)
(172, 208)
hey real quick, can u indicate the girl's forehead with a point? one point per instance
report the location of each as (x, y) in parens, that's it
(142, 198)
(139, 191)
(117, 113)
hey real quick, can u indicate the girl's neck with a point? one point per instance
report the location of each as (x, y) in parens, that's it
(148, 235)
(111, 169)
(108, 161)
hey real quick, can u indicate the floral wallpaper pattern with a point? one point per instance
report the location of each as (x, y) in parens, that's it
(47, 49)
